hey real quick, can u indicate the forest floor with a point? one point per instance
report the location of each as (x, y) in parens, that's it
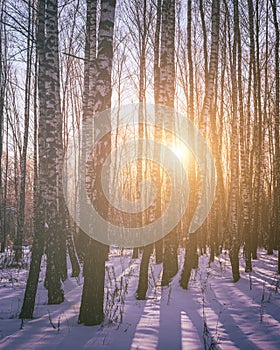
(214, 313)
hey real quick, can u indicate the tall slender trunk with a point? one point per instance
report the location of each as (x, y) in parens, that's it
(39, 179)
(142, 98)
(91, 310)
(191, 242)
(244, 164)
(20, 230)
(147, 250)
(258, 185)
(4, 211)
(87, 120)
(276, 130)
(234, 154)
(255, 159)
(204, 119)
(166, 98)
(159, 243)
(53, 248)
(205, 52)
(2, 100)
(61, 219)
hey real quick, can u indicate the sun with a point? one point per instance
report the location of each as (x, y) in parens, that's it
(181, 151)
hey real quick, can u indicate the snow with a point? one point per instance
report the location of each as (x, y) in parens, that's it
(214, 313)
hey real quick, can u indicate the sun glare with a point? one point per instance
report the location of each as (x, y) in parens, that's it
(181, 151)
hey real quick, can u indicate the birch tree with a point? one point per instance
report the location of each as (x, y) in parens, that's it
(276, 130)
(204, 118)
(91, 310)
(23, 155)
(166, 98)
(3, 73)
(40, 185)
(49, 170)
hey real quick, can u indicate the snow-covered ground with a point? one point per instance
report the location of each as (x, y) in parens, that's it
(214, 313)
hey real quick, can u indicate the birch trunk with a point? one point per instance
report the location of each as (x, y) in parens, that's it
(23, 155)
(39, 184)
(276, 130)
(166, 98)
(204, 120)
(2, 99)
(91, 310)
(234, 161)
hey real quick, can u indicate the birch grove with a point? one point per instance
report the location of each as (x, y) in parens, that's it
(62, 63)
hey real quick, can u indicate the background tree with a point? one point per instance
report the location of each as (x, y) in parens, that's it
(23, 155)
(277, 116)
(209, 93)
